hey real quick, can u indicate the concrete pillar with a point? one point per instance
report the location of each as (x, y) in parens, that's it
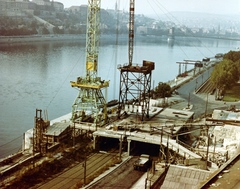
(129, 143)
(120, 147)
(94, 142)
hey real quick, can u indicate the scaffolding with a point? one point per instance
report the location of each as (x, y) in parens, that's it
(135, 88)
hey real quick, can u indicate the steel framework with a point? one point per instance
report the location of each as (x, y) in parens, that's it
(135, 88)
(40, 126)
(90, 101)
(135, 80)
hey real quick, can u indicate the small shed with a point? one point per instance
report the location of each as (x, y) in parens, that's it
(56, 133)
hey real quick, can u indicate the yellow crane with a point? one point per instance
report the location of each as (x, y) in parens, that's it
(90, 101)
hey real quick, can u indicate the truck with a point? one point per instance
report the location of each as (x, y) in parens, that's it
(143, 163)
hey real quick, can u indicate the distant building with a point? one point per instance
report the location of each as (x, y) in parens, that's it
(42, 2)
(73, 8)
(58, 6)
(20, 7)
(15, 8)
(143, 30)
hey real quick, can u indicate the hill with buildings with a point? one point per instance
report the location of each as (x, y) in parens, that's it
(43, 17)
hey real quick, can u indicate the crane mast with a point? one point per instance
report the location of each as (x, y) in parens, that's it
(90, 101)
(93, 35)
(131, 31)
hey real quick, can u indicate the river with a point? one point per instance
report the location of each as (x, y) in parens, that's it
(38, 75)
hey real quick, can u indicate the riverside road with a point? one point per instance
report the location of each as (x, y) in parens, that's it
(201, 102)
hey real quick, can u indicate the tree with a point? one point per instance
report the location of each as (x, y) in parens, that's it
(163, 90)
(232, 55)
(224, 75)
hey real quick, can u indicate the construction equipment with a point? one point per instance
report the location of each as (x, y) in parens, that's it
(196, 63)
(38, 130)
(90, 103)
(135, 80)
(131, 31)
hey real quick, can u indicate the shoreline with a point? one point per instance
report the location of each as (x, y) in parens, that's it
(80, 37)
(39, 38)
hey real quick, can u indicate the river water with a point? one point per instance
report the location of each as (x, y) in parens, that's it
(38, 75)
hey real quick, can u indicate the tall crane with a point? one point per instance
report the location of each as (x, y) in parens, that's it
(135, 80)
(90, 101)
(131, 31)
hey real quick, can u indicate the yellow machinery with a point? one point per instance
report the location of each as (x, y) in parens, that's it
(90, 101)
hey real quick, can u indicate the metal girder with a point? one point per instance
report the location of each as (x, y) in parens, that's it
(89, 102)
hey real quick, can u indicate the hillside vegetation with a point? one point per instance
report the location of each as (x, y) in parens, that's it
(225, 75)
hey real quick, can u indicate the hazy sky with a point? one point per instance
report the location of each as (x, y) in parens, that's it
(163, 6)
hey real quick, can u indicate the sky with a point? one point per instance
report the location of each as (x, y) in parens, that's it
(151, 7)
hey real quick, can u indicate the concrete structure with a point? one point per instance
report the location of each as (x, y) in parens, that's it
(131, 129)
(226, 134)
(56, 133)
(21, 7)
(184, 177)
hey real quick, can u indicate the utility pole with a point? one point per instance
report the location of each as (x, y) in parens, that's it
(74, 134)
(207, 148)
(188, 100)
(167, 154)
(161, 146)
(84, 171)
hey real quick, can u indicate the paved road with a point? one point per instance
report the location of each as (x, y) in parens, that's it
(200, 102)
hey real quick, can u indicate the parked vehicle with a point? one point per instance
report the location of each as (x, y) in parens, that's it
(143, 163)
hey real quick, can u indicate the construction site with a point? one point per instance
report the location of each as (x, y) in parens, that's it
(166, 129)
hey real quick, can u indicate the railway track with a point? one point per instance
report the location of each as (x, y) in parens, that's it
(124, 176)
(206, 87)
(75, 175)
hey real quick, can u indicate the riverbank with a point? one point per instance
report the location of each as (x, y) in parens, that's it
(39, 38)
(103, 37)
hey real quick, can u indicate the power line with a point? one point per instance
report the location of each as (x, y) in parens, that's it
(11, 141)
(60, 87)
(174, 19)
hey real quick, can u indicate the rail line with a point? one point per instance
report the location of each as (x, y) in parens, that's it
(206, 87)
(75, 174)
(124, 176)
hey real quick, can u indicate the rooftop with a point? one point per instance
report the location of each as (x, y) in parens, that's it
(57, 128)
(179, 177)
